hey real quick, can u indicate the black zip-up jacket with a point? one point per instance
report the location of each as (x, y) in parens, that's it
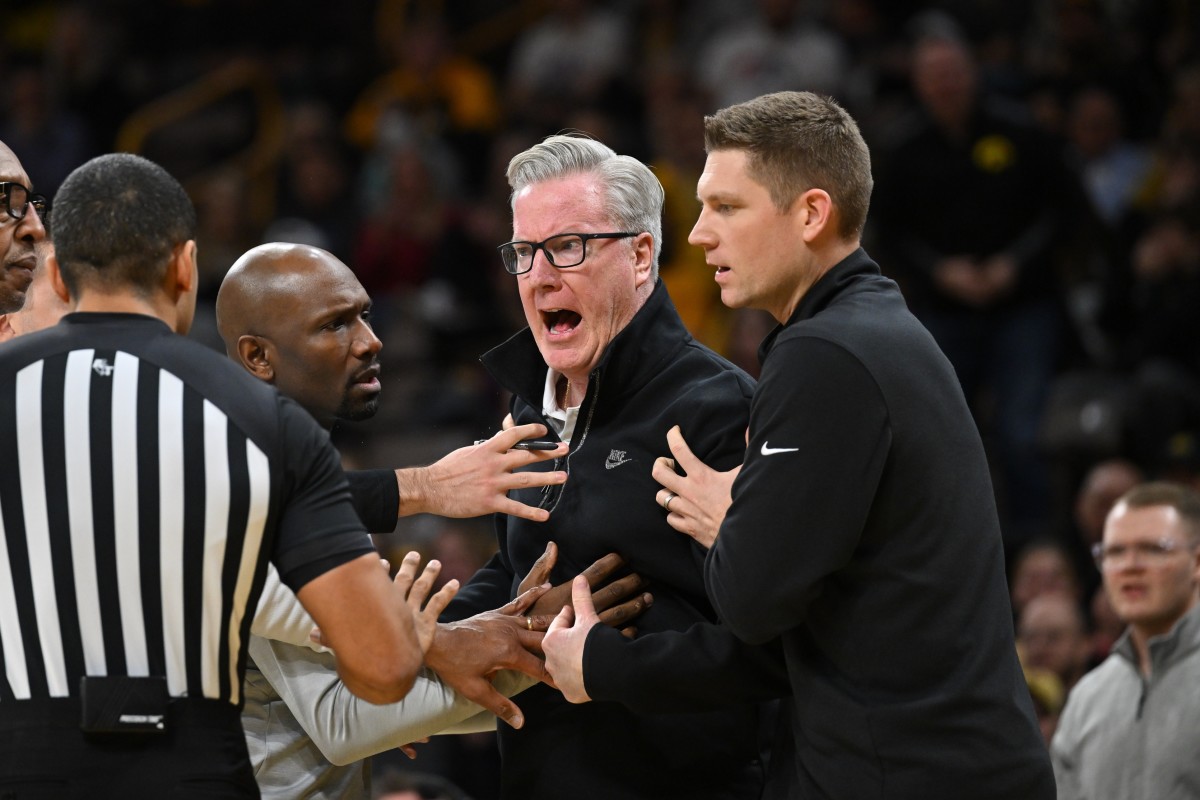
(863, 530)
(631, 740)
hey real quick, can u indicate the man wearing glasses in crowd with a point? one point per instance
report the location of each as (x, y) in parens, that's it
(20, 231)
(1129, 727)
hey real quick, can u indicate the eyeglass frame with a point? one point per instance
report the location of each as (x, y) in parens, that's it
(585, 237)
(39, 202)
(1153, 551)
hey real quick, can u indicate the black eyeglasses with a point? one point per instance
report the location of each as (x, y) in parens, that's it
(562, 250)
(18, 198)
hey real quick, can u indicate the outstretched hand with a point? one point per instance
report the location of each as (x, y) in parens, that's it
(565, 641)
(415, 589)
(475, 480)
(617, 602)
(468, 652)
(697, 501)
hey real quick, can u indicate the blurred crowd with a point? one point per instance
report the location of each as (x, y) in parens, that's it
(1037, 196)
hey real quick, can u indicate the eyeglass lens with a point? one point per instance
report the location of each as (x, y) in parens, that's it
(17, 200)
(561, 251)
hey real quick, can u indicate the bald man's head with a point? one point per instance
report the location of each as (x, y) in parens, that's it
(19, 235)
(296, 317)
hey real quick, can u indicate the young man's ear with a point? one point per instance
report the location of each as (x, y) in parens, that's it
(54, 274)
(814, 214)
(6, 329)
(183, 273)
(254, 353)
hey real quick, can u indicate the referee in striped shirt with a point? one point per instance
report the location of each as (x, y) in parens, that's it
(149, 481)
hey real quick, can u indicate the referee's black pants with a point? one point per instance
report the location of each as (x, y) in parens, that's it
(201, 756)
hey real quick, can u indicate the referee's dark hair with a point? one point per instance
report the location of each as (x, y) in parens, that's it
(117, 221)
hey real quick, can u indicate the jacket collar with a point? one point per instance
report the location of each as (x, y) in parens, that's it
(829, 286)
(1165, 650)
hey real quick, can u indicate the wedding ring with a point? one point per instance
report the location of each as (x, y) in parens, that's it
(529, 623)
(667, 503)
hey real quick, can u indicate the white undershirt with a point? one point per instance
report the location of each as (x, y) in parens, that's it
(563, 419)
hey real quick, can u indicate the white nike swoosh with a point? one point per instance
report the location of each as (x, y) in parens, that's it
(770, 451)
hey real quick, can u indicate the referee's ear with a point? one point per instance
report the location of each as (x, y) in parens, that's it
(254, 353)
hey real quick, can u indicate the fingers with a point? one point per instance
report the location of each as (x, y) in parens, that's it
(564, 620)
(618, 615)
(532, 640)
(601, 568)
(539, 573)
(526, 662)
(483, 693)
(679, 448)
(424, 583)
(437, 604)
(407, 572)
(668, 499)
(663, 471)
(581, 599)
(616, 591)
(524, 601)
(530, 479)
(508, 436)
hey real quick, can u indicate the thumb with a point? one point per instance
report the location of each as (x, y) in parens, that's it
(561, 622)
(581, 599)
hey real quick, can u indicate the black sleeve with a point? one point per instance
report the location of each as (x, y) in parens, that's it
(376, 498)
(318, 529)
(798, 512)
(644, 673)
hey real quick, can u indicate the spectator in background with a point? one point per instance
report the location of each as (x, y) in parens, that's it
(1052, 634)
(1041, 566)
(315, 202)
(1129, 729)
(572, 57)
(1046, 691)
(972, 202)
(442, 90)
(778, 45)
(1114, 170)
(52, 141)
(1102, 485)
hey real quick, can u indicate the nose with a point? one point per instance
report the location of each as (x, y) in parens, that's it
(366, 343)
(31, 227)
(541, 270)
(700, 236)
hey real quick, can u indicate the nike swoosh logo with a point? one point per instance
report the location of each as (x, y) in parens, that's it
(770, 451)
(612, 463)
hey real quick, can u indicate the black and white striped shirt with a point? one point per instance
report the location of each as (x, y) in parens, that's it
(147, 480)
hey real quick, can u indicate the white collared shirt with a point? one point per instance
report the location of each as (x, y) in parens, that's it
(563, 419)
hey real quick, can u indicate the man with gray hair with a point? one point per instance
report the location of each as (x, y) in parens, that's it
(607, 365)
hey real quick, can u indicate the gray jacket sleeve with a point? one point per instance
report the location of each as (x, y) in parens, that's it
(346, 728)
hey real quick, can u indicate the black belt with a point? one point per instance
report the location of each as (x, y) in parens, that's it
(65, 712)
